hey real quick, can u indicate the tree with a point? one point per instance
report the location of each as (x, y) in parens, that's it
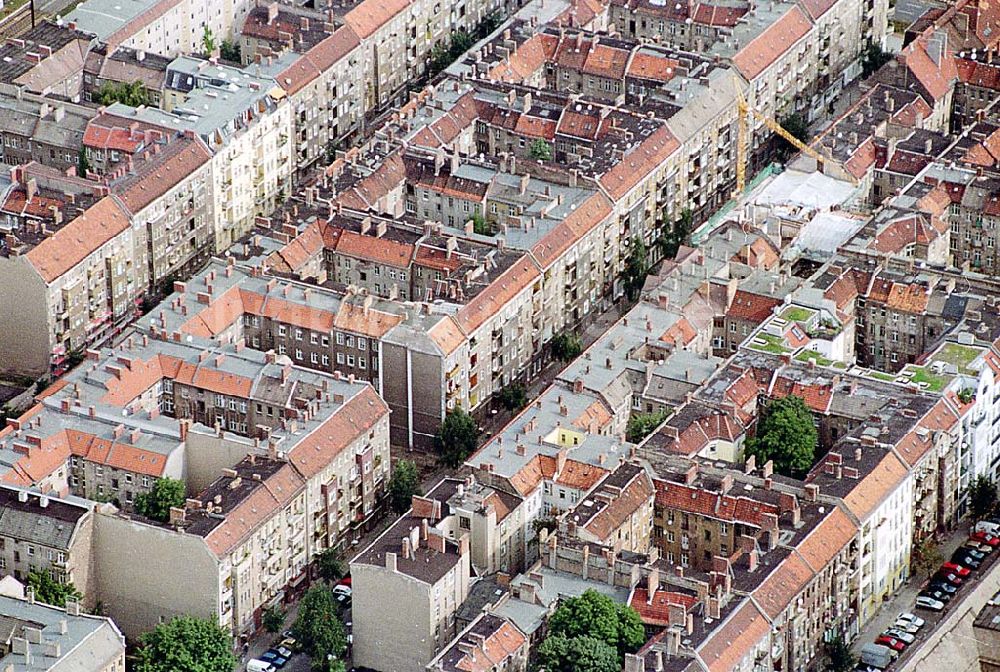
(50, 591)
(318, 628)
(514, 397)
(797, 125)
(457, 437)
(873, 58)
(641, 425)
(926, 557)
(186, 644)
(480, 225)
(405, 483)
(982, 497)
(489, 23)
(155, 504)
(328, 566)
(595, 615)
(82, 163)
(133, 94)
(274, 619)
(566, 346)
(671, 241)
(208, 41)
(786, 435)
(839, 656)
(577, 654)
(230, 51)
(540, 150)
(635, 269)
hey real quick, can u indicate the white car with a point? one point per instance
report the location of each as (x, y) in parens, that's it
(903, 626)
(342, 593)
(912, 619)
(905, 637)
(994, 601)
(930, 603)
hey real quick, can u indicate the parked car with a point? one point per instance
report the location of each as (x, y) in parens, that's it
(910, 618)
(974, 553)
(966, 560)
(929, 603)
(988, 526)
(950, 577)
(289, 643)
(274, 658)
(956, 568)
(978, 546)
(943, 586)
(346, 581)
(985, 538)
(906, 637)
(903, 626)
(935, 594)
(891, 642)
(255, 665)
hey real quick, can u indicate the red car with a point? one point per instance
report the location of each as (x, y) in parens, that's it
(891, 642)
(956, 568)
(346, 581)
(984, 538)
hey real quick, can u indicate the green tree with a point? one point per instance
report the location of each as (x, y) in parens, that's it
(457, 438)
(786, 435)
(186, 644)
(873, 58)
(230, 51)
(636, 269)
(480, 225)
(982, 497)
(670, 242)
(405, 483)
(50, 591)
(640, 425)
(540, 150)
(926, 557)
(566, 346)
(577, 654)
(489, 23)
(595, 615)
(133, 94)
(318, 628)
(797, 125)
(155, 504)
(273, 619)
(82, 163)
(328, 566)
(208, 41)
(839, 656)
(513, 397)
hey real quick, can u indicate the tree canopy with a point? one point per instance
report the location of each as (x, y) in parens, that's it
(785, 435)
(676, 235)
(405, 483)
(982, 497)
(186, 644)
(50, 591)
(273, 619)
(926, 557)
(318, 627)
(839, 656)
(514, 396)
(457, 438)
(156, 503)
(640, 425)
(208, 41)
(229, 50)
(873, 58)
(328, 566)
(566, 346)
(126, 93)
(577, 654)
(636, 269)
(541, 150)
(598, 616)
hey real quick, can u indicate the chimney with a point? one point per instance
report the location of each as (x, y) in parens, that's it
(652, 584)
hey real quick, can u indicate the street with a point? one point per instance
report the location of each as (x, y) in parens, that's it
(905, 598)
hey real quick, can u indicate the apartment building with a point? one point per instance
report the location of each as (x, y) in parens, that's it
(35, 128)
(618, 512)
(429, 573)
(107, 66)
(246, 124)
(167, 192)
(158, 26)
(51, 638)
(235, 546)
(489, 641)
(42, 533)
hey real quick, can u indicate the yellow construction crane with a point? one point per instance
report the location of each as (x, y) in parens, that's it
(743, 131)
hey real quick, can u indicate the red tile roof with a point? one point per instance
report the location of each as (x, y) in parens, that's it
(727, 507)
(738, 636)
(656, 611)
(762, 51)
(639, 163)
(370, 15)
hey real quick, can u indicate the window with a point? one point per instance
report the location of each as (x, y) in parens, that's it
(362, 343)
(340, 338)
(282, 330)
(313, 338)
(31, 551)
(340, 358)
(326, 360)
(298, 334)
(464, 523)
(350, 360)
(313, 358)
(220, 401)
(298, 354)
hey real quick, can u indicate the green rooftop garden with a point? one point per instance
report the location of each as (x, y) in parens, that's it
(959, 355)
(806, 355)
(769, 343)
(923, 374)
(797, 314)
(879, 375)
